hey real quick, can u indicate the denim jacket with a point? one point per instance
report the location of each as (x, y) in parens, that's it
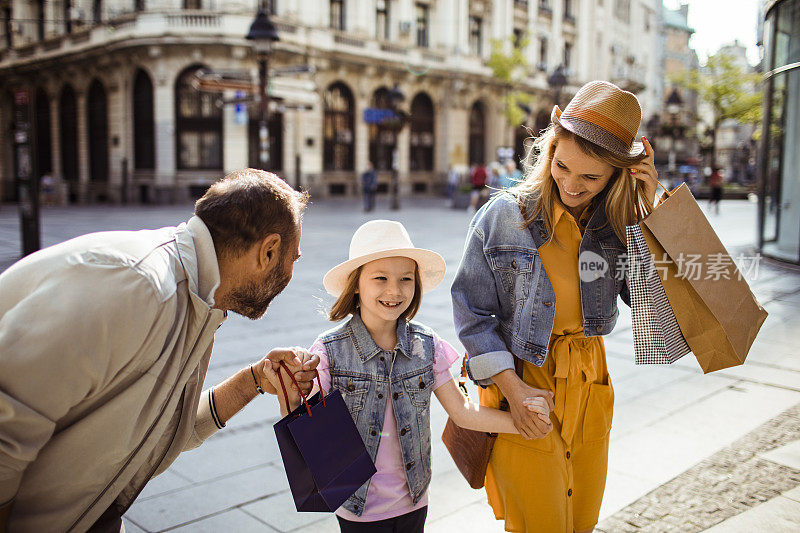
(368, 377)
(503, 301)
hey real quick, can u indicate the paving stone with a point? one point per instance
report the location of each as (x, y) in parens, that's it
(729, 483)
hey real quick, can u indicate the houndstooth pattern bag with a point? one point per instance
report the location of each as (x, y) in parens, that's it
(657, 338)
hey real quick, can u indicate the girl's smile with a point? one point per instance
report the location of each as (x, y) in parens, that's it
(385, 289)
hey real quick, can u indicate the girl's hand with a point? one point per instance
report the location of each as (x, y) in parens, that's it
(645, 171)
(538, 405)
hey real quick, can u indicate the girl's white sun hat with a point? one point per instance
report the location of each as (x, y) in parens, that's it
(377, 239)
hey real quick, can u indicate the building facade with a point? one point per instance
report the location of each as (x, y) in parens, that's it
(675, 127)
(779, 161)
(120, 115)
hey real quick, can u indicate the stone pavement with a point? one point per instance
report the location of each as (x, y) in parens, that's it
(680, 439)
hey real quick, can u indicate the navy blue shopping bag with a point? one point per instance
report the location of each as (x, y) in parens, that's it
(323, 454)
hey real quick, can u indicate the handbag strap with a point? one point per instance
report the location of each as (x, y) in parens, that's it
(303, 397)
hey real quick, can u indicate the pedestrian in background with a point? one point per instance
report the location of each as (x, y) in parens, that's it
(453, 181)
(369, 185)
(386, 366)
(478, 178)
(715, 181)
(105, 341)
(512, 176)
(588, 182)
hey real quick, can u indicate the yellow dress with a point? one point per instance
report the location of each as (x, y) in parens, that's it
(555, 484)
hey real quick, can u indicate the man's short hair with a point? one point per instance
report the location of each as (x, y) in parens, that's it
(245, 206)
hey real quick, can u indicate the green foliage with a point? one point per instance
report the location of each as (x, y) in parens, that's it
(727, 88)
(511, 69)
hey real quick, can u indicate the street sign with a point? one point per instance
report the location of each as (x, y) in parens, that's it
(375, 115)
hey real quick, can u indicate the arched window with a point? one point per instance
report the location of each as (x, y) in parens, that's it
(422, 119)
(144, 154)
(44, 147)
(339, 128)
(477, 134)
(382, 140)
(97, 110)
(198, 122)
(68, 129)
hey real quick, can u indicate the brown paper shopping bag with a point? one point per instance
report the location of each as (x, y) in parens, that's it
(717, 312)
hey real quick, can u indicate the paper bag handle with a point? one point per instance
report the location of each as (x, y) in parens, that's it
(303, 397)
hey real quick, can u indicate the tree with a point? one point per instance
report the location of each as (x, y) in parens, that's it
(511, 69)
(730, 91)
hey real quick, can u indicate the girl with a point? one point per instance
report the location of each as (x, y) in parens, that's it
(386, 367)
(539, 281)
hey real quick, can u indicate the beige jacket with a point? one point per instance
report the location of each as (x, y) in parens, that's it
(104, 345)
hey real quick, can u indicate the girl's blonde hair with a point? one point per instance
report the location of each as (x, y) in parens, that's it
(626, 202)
(347, 302)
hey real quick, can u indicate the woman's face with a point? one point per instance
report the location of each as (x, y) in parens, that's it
(579, 176)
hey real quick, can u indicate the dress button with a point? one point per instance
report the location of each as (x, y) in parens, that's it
(396, 395)
(569, 492)
(421, 384)
(403, 431)
(382, 358)
(513, 263)
(380, 395)
(409, 465)
(351, 388)
(568, 454)
(599, 329)
(373, 432)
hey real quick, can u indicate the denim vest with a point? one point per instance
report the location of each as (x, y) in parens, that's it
(368, 377)
(503, 300)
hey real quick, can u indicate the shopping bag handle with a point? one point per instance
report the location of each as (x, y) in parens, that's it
(666, 191)
(302, 396)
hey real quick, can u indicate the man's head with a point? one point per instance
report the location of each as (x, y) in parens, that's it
(254, 219)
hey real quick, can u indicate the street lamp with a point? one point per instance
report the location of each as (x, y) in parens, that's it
(674, 103)
(395, 100)
(557, 81)
(263, 34)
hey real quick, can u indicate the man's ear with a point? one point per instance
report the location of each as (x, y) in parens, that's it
(269, 252)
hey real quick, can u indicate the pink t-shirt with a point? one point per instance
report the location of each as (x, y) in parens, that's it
(388, 494)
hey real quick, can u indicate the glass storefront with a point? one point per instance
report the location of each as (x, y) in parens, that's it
(780, 149)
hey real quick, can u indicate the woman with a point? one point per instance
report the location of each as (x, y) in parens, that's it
(538, 283)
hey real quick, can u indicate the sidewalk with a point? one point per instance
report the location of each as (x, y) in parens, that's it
(682, 442)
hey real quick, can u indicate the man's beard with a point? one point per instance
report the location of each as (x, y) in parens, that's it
(252, 299)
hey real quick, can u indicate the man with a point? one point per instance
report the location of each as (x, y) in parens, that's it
(369, 184)
(104, 345)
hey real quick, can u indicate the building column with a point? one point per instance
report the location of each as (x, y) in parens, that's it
(235, 143)
(119, 121)
(403, 163)
(55, 142)
(165, 141)
(83, 146)
(361, 136)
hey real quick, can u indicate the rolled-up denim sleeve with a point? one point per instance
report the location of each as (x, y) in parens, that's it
(475, 310)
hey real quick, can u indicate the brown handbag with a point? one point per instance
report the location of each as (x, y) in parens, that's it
(471, 449)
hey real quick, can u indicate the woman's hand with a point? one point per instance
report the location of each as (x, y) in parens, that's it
(528, 422)
(645, 171)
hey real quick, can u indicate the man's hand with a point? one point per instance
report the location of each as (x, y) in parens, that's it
(300, 362)
(527, 421)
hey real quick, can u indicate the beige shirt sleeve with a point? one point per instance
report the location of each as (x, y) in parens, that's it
(62, 340)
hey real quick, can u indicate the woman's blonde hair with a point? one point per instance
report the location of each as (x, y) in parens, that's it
(626, 202)
(347, 302)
